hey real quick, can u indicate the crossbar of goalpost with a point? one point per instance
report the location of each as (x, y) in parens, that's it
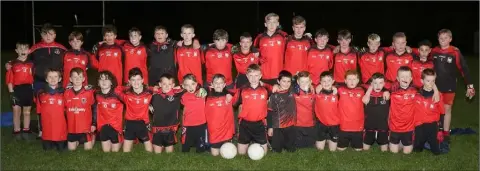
(60, 26)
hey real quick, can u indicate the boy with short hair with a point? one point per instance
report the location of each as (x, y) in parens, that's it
(135, 54)
(81, 111)
(271, 45)
(421, 62)
(372, 61)
(161, 57)
(447, 60)
(110, 55)
(281, 115)
(320, 57)
(51, 108)
(398, 57)
(188, 58)
(346, 58)
(376, 113)
(428, 115)
(254, 100)
(297, 46)
(243, 58)
(19, 80)
(218, 58)
(326, 112)
(351, 112)
(304, 99)
(77, 57)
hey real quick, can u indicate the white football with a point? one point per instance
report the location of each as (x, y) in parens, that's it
(255, 151)
(228, 150)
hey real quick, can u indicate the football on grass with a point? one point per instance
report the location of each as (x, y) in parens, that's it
(255, 151)
(228, 150)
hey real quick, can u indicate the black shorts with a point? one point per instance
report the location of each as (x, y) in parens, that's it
(219, 144)
(194, 136)
(405, 137)
(372, 136)
(136, 129)
(269, 81)
(59, 145)
(283, 138)
(305, 136)
(81, 137)
(241, 81)
(353, 139)
(252, 132)
(23, 95)
(164, 138)
(108, 133)
(327, 132)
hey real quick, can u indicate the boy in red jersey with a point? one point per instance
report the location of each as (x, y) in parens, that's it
(109, 113)
(76, 57)
(398, 57)
(297, 46)
(51, 107)
(81, 112)
(254, 100)
(346, 58)
(243, 58)
(110, 54)
(19, 80)
(421, 63)
(326, 111)
(281, 115)
(428, 115)
(350, 109)
(218, 58)
(320, 57)
(271, 45)
(304, 100)
(372, 61)
(135, 54)
(219, 115)
(188, 58)
(447, 60)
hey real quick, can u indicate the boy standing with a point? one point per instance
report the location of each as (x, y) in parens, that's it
(320, 57)
(372, 61)
(161, 58)
(421, 63)
(244, 58)
(398, 58)
(346, 58)
(135, 54)
(76, 57)
(189, 59)
(218, 58)
(19, 80)
(297, 46)
(110, 55)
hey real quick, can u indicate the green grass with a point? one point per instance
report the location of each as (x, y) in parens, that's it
(19, 155)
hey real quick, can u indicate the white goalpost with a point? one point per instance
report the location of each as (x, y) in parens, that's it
(77, 25)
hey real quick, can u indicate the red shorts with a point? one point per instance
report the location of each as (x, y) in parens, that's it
(448, 98)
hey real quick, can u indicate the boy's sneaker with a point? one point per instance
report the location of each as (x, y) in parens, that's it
(17, 135)
(444, 147)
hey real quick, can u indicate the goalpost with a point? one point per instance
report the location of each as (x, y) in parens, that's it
(35, 26)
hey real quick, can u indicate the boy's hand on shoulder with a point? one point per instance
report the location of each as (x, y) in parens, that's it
(275, 88)
(229, 98)
(92, 129)
(318, 89)
(180, 43)
(335, 91)
(196, 44)
(386, 95)
(201, 93)
(308, 35)
(337, 49)
(408, 49)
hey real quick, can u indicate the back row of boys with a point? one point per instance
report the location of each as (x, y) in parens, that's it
(272, 46)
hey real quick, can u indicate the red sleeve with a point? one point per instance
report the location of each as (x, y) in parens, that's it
(229, 47)
(202, 56)
(37, 102)
(237, 98)
(386, 49)
(463, 67)
(120, 42)
(415, 51)
(257, 41)
(93, 61)
(119, 91)
(9, 76)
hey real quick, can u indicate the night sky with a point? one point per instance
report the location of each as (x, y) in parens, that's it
(419, 20)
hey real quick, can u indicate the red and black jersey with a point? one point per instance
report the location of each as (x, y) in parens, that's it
(78, 106)
(272, 50)
(110, 58)
(296, 52)
(219, 62)
(282, 110)
(135, 56)
(305, 108)
(194, 110)
(109, 110)
(426, 111)
(417, 68)
(342, 63)
(401, 118)
(161, 55)
(77, 58)
(326, 108)
(219, 116)
(166, 106)
(20, 73)
(189, 61)
(376, 112)
(242, 61)
(371, 63)
(318, 61)
(51, 107)
(46, 55)
(254, 103)
(350, 109)
(446, 62)
(394, 61)
(136, 104)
